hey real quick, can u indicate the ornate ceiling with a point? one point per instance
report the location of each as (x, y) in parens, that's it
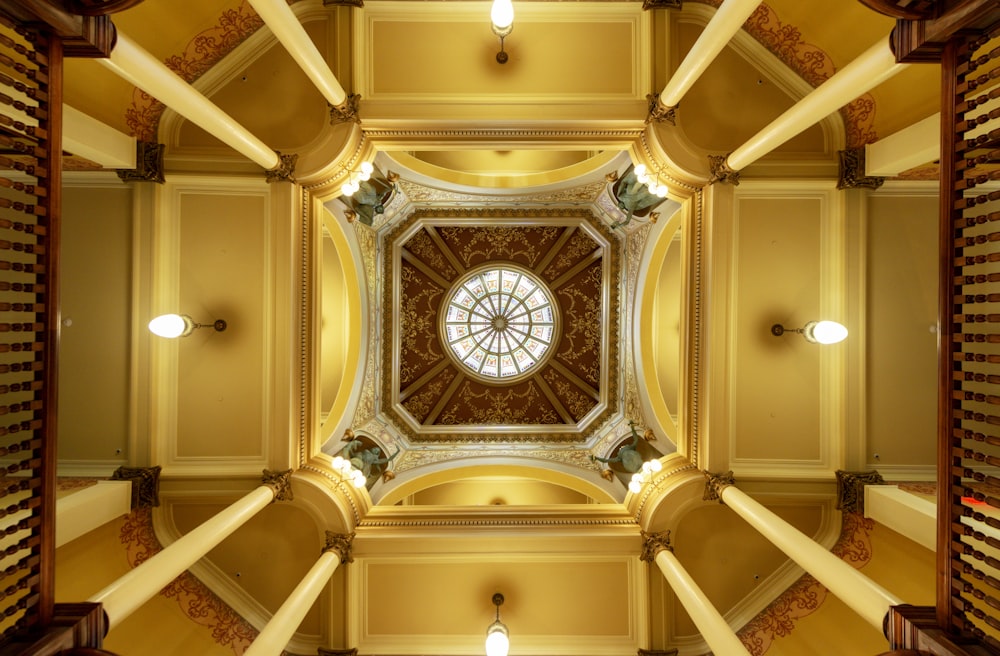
(561, 377)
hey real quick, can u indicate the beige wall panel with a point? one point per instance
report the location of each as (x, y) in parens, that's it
(452, 599)
(497, 491)
(335, 325)
(96, 311)
(901, 348)
(776, 381)
(715, 114)
(667, 326)
(704, 544)
(267, 556)
(459, 59)
(222, 263)
(294, 111)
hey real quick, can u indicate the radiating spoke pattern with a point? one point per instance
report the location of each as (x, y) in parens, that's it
(500, 322)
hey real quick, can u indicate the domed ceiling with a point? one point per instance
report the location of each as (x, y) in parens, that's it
(500, 321)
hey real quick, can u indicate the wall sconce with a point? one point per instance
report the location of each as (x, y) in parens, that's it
(502, 24)
(644, 475)
(817, 332)
(348, 471)
(180, 325)
(652, 182)
(356, 178)
(497, 636)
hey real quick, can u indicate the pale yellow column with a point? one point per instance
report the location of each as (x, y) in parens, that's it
(727, 21)
(132, 63)
(864, 596)
(871, 68)
(289, 31)
(124, 596)
(280, 629)
(713, 627)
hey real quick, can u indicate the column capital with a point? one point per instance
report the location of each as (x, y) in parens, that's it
(716, 483)
(347, 111)
(284, 170)
(658, 112)
(657, 652)
(342, 544)
(145, 484)
(852, 170)
(654, 543)
(851, 489)
(148, 164)
(280, 482)
(661, 4)
(721, 172)
(337, 652)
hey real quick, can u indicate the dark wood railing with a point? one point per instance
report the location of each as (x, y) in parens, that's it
(31, 52)
(970, 405)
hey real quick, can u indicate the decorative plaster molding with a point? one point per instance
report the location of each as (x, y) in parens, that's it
(721, 172)
(654, 543)
(280, 483)
(658, 112)
(347, 111)
(341, 544)
(715, 484)
(284, 170)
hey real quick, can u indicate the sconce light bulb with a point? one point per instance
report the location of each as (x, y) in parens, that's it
(825, 332)
(171, 325)
(655, 465)
(367, 168)
(502, 14)
(646, 467)
(635, 487)
(358, 479)
(661, 190)
(346, 189)
(640, 173)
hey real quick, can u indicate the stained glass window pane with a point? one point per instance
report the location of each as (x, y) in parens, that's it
(500, 322)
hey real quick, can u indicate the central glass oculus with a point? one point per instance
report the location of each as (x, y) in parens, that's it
(499, 322)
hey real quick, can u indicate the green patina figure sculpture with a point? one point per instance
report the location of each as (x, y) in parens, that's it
(633, 196)
(628, 455)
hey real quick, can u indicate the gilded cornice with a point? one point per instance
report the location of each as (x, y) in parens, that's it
(414, 458)
(424, 195)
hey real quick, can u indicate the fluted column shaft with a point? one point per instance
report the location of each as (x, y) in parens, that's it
(720, 30)
(273, 639)
(136, 587)
(713, 627)
(867, 71)
(286, 27)
(860, 593)
(134, 64)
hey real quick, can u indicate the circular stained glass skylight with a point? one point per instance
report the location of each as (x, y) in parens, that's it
(500, 322)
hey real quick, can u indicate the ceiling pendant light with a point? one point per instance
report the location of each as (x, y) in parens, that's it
(497, 636)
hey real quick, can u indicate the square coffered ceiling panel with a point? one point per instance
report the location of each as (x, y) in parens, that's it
(500, 325)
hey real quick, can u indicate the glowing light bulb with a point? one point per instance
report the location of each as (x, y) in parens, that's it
(635, 487)
(825, 332)
(502, 14)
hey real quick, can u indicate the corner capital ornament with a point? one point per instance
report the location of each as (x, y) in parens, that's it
(347, 111)
(280, 482)
(715, 484)
(284, 170)
(148, 164)
(145, 484)
(654, 543)
(852, 170)
(721, 172)
(658, 112)
(341, 544)
(851, 489)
